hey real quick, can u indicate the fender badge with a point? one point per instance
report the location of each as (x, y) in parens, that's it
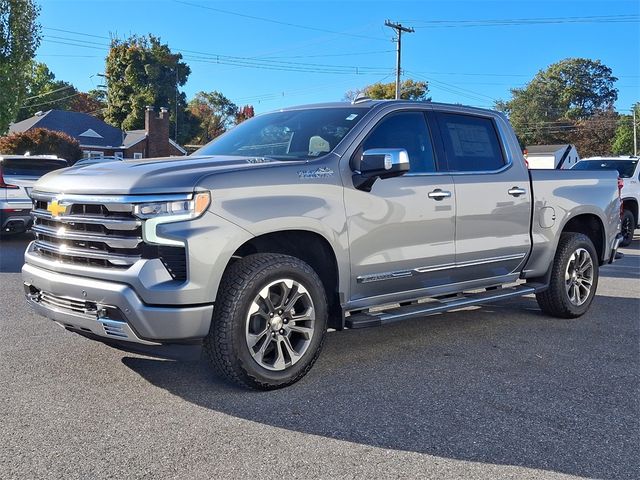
(321, 172)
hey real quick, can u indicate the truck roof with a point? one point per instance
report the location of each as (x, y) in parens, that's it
(367, 103)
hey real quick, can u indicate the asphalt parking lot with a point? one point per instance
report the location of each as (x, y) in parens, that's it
(494, 392)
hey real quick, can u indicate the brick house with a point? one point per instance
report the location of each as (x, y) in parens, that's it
(99, 139)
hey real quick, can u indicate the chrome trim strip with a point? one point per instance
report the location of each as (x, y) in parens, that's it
(112, 223)
(116, 259)
(112, 241)
(111, 199)
(375, 277)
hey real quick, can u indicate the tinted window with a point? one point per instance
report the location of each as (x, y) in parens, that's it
(406, 130)
(287, 135)
(625, 168)
(471, 143)
(30, 167)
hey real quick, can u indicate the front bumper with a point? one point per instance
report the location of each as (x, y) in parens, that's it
(111, 310)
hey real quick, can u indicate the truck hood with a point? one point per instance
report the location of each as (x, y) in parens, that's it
(150, 175)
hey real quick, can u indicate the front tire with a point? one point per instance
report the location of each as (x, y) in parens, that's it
(574, 278)
(628, 227)
(269, 321)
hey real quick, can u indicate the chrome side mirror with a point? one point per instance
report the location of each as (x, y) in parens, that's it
(380, 163)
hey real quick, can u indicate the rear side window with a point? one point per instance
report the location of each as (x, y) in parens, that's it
(30, 167)
(471, 143)
(406, 130)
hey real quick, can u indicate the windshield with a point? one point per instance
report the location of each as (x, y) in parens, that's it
(625, 168)
(30, 167)
(288, 135)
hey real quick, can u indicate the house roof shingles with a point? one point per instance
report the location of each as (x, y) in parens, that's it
(73, 124)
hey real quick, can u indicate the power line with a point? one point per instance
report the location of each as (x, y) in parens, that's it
(49, 93)
(628, 18)
(278, 22)
(52, 101)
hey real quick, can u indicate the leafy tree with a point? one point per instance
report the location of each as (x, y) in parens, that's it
(92, 102)
(593, 135)
(44, 92)
(141, 71)
(214, 113)
(623, 138)
(19, 40)
(40, 141)
(244, 113)
(548, 107)
(409, 90)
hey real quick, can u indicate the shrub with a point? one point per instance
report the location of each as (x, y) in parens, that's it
(40, 141)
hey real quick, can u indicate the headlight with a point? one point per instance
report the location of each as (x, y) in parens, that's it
(190, 208)
(157, 213)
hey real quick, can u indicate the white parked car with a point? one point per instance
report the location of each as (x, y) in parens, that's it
(629, 170)
(18, 174)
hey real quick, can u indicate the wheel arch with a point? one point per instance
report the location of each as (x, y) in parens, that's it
(592, 226)
(310, 247)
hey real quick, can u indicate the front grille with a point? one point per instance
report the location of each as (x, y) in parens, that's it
(98, 233)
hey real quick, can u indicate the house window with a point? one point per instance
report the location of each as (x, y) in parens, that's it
(137, 156)
(92, 154)
(118, 155)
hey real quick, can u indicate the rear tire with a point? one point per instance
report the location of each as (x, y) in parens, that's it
(269, 321)
(574, 278)
(628, 227)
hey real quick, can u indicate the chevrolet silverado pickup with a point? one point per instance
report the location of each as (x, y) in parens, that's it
(330, 216)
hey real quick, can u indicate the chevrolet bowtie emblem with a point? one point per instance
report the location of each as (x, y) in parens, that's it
(56, 209)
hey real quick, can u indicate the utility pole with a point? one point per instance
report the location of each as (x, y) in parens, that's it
(175, 137)
(635, 135)
(398, 28)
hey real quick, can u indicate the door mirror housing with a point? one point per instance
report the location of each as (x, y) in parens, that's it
(379, 163)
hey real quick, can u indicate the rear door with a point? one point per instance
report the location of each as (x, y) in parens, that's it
(493, 198)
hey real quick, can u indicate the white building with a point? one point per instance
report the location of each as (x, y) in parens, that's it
(552, 156)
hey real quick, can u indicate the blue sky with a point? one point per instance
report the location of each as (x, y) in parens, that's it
(344, 44)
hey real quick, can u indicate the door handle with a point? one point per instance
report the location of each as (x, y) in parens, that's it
(516, 191)
(438, 194)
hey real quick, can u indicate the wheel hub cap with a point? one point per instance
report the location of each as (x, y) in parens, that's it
(280, 324)
(579, 276)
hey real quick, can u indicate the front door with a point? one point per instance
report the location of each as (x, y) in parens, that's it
(401, 233)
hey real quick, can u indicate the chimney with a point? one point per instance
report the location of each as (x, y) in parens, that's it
(157, 128)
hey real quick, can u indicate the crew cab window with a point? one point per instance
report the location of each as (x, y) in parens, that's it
(406, 130)
(471, 143)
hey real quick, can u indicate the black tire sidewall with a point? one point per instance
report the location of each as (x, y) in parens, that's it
(575, 242)
(287, 268)
(627, 216)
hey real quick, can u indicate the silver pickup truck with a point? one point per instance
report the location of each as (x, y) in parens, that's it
(312, 218)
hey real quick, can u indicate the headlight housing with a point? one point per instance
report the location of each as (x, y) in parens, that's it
(157, 213)
(192, 208)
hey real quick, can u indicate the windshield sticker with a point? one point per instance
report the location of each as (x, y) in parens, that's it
(322, 172)
(352, 116)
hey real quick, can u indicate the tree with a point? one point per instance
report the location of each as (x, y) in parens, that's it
(40, 141)
(44, 92)
(570, 91)
(593, 135)
(141, 72)
(214, 113)
(409, 90)
(19, 40)
(93, 102)
(244, 113)
(623, 139)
